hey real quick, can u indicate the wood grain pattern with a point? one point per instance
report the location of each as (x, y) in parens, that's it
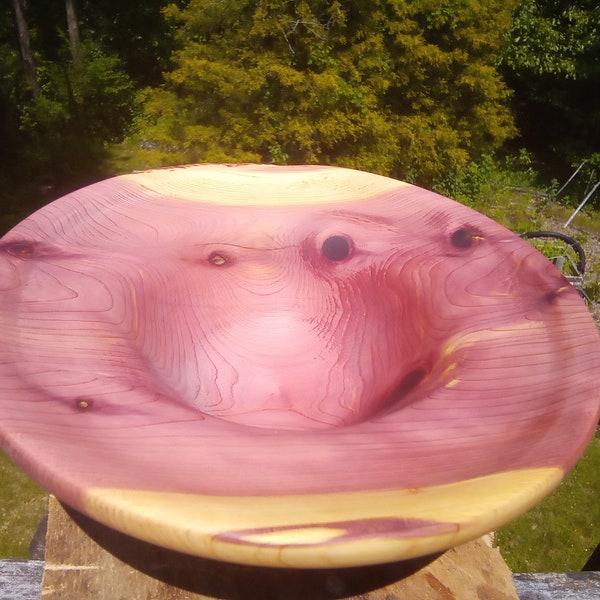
(261, 332)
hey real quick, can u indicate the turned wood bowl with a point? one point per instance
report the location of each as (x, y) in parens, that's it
(289, 366)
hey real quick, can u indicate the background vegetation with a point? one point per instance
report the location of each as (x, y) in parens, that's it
(418, 90)
(492, 102)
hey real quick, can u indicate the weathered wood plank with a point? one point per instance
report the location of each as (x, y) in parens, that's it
(558, 586)
(20, 579)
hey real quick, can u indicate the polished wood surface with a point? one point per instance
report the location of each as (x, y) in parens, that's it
(292, 366)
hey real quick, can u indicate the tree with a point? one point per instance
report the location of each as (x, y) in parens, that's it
(402, 88)
(27, 55)
(73, 27)
(551, 61)
(86, 104)
(135, 31)
(79, 99)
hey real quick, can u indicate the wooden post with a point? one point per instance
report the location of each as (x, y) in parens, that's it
(85, 559)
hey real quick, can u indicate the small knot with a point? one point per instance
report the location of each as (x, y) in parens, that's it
(20, 250)
(462, 238)
(83, 404)
(336, 248)
(217, 259)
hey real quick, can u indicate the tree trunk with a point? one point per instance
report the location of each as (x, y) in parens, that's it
(27, 56)
(73, 25)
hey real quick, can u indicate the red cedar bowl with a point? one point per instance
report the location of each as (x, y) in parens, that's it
(289, 366)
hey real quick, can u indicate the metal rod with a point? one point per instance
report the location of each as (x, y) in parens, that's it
(570, 179)
(582, 204)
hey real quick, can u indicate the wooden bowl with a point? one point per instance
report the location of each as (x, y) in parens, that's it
(289, 366)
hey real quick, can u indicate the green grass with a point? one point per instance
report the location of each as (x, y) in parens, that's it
(561, 532)
(22, 505)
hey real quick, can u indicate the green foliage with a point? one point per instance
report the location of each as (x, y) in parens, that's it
(67, 127)
(59, 139)
(489, 181)
(551, 62)
(136, 32)
(406, 88)
(550, 38)
(399, 88)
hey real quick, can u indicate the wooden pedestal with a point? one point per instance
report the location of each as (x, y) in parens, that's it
(87, 560)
